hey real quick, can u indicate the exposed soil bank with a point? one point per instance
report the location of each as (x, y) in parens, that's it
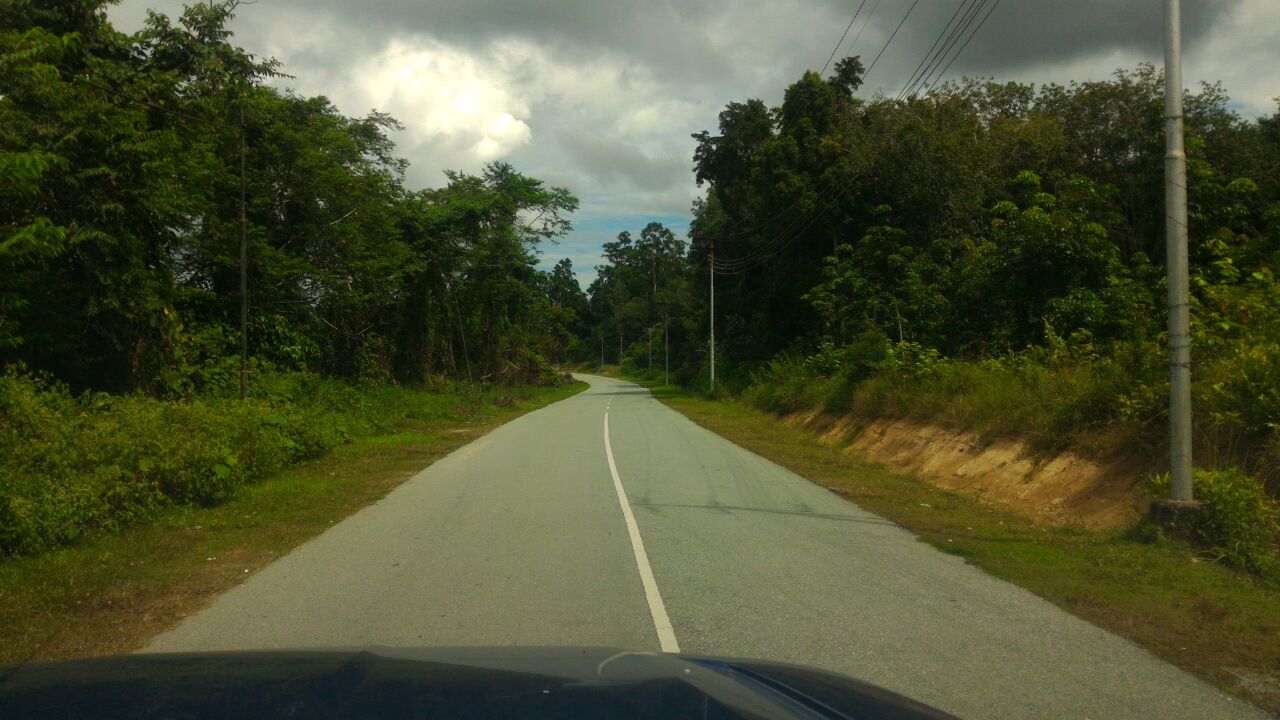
(1066, 489)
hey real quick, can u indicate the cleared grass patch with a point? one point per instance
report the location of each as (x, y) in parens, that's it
(110, 593)
(1217, 623)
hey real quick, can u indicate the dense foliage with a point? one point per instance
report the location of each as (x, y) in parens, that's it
(121, 187)
(987, 256)
(979, 219)
(640, 297)
(1239, 523)
(120, 197)
(75, 464)
(998, 235)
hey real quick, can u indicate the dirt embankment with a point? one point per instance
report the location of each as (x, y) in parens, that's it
(1066, 489)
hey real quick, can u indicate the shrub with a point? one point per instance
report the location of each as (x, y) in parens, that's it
(787, 384)
(1238, 523)
(71, 465)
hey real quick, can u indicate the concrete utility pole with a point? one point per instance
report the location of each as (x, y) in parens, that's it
(712, 265)
(602, 348)
(1175, 200)
(653, 269)
(666, 353)
(244, 274)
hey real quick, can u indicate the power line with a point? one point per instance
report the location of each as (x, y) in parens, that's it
(784, 239)
(802, 223)
(959, 26)
(891, 37)
(124, 96)
(994, 5)
(865, 23)
(956, 35)
(781, 240)
(843, 35)
(958, 32)
(761, 225)
(776, 245)
(919, 72)
(795, 230)
(934, 68)
(739, 270)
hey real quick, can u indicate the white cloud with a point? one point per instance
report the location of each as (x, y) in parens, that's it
(1242, 54)
(457, 110)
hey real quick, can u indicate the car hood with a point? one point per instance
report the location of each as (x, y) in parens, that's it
(441, 683)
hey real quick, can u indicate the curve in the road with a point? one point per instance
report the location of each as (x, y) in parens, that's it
(517, 539)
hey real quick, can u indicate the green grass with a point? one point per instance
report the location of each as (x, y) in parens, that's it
(75, 465)
(109, 592)
(1088, 405)
(1220, 624)
(1102, 405)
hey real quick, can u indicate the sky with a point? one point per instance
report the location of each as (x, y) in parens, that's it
(601, 96)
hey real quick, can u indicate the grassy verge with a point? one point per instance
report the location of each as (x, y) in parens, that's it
(72, 466)
(1215, 622)
(1100, 405)
(110, 592)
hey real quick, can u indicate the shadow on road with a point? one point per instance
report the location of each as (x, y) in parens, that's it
(729, 509)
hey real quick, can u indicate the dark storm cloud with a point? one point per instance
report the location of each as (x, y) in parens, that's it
(1036, 33)
(608, 158)
(704, 42)
(665, 35)
(672, 38)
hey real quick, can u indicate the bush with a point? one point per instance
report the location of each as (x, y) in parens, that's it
(1049, 401)
(1239, 523)
(71, 465)
(787, 384)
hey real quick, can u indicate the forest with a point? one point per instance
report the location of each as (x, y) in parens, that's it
(120, 247)
(131, 168)
(985, 255)
(977, 221)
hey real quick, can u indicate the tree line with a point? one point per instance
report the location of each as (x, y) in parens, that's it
(981, 235)
(120, 202)
(975, 221)
(978, 219)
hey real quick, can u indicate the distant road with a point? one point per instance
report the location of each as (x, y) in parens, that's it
(675, 538)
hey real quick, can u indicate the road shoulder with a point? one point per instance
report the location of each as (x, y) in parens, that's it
(111, 593)
(1214, 622)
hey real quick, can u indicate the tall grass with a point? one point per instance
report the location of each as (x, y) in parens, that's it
(1054, 398)
(71, 465)
(1061, 398)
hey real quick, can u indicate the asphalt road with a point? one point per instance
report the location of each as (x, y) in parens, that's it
(675, 538)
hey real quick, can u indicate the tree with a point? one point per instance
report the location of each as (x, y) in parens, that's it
(976, 219)
(119, 244)
(642, 287)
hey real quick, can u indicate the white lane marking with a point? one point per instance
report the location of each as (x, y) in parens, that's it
(661, 623)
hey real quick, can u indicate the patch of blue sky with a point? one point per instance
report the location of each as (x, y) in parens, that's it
(584, 246)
